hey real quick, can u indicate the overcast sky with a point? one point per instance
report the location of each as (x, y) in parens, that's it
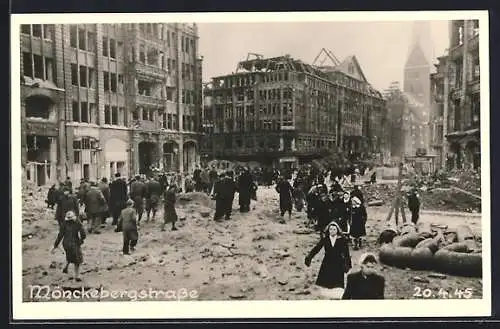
(381, 47)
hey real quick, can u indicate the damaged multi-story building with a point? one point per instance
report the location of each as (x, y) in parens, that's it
(456, 99)
(281, 111)
(103, 98)
(463, 137)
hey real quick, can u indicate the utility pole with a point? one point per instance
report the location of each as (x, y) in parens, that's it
(398, 202)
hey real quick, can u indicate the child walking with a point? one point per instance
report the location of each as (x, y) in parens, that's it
(72, 235)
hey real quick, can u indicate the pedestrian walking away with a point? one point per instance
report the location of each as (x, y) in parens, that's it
(128, 223)
(169, 212)
(72, 235)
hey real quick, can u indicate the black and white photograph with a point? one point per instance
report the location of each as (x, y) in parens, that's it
(284, 164)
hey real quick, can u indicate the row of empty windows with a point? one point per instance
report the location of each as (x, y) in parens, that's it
(43, 31)
(169, 121)
(86, 77)
(114, 115)
(160, 31)
(84, 112)
(40, 67)
(82, 38)
(188, 122)
(111, 47)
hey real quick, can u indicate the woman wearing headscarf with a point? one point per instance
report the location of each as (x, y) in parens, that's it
(358, 221)
(72, 234)
(336, 261)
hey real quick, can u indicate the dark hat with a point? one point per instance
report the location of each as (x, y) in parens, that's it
(117, 174)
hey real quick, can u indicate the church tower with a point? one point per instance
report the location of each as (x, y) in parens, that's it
(417, 85)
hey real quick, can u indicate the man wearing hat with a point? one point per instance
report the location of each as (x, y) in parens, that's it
(66, 202)
(169, 212)
(128, 222)
(414, 205)
(365, 283)
(224, 191)
(118, 198)
(137, 194)
(95, 205)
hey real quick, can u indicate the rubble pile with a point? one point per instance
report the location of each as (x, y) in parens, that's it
(33, 199)
(384, 192)
(433, 196)
(449, 200)
(468, 180)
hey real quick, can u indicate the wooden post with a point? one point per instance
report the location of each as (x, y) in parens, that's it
(398, 204)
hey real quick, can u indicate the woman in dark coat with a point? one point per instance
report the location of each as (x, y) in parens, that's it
(285, 190)
(72, 234)
(169, 213)
(358, 221)
(342, 212)
(336, 261)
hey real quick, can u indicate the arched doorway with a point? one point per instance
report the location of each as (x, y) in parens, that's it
(473, 154)
(39, 106)
(170, 149)
(189, 155)
(147, 152)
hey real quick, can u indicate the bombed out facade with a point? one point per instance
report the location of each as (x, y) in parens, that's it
(97, 99)
(282, 112)
(463, 113)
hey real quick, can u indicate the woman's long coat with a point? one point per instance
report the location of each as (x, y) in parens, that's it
(285, 191)
(169, 214)
(336, 262)
(72, 234)
(358, 221)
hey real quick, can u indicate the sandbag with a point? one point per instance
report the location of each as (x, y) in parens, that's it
(395, 256)
(432, 244)
(408, 229)
(425, 235)
(456, 263)
(387, 236)
(409, 240)
(464, 233)
(450, 236)
(421, 259)
(461, 247)
(375, 203)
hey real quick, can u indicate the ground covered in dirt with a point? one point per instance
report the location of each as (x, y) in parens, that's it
(251, 257)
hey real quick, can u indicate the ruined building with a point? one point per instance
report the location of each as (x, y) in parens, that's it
(438, 104)
(456, 99)
(103, 98)
(280, 111)
(464, 100)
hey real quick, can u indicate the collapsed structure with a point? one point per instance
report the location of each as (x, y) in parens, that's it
(103, 98)
(281, 111)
